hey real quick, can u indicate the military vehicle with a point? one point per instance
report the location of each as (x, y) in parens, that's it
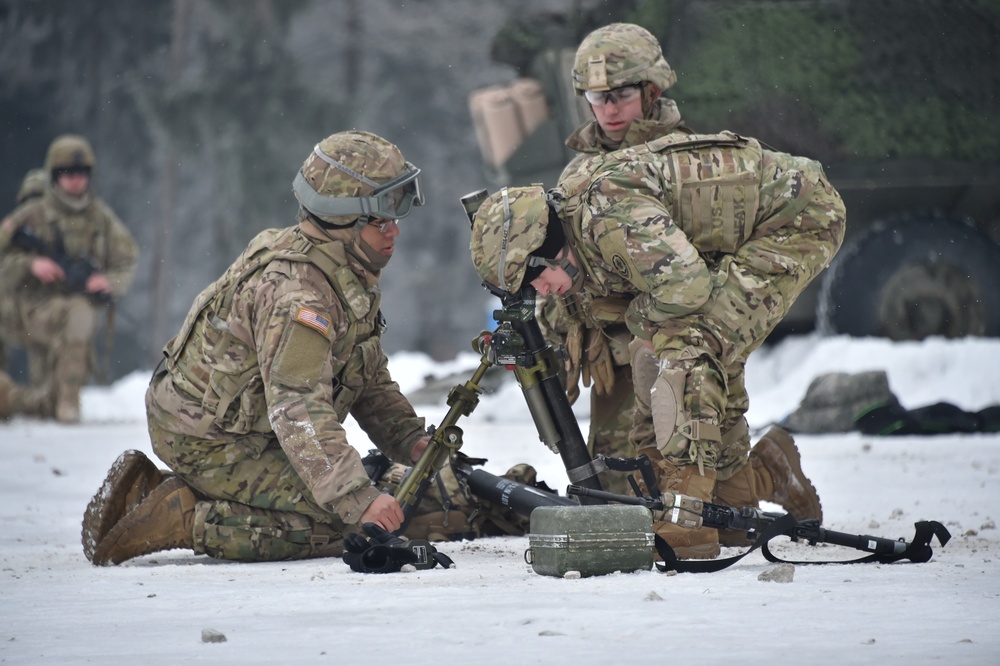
(897, 100)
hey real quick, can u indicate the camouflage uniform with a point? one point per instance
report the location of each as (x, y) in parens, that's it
(248, 410)
(56, 324)
(707, 240)
(624, 48)
(577, 315)
(710, 238)
(32, 187)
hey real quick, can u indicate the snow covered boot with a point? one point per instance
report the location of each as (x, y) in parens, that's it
(162, 521)
(131, 478)
(779, 478)
(689, 542)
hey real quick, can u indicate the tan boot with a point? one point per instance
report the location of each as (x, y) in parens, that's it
(689, 543)
(131, 478)
(737, 491)
(779, 478)
(68, 409)
(162, 521)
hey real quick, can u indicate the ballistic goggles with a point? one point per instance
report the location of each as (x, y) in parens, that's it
(625, 93)
(393, 199)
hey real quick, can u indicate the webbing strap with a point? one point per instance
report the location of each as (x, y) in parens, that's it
(672, 563)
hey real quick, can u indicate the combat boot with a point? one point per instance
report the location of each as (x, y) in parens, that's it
(131, 478)
(737, 491)
(688, 542)
(162, 521)
(779, 478)
(68, 408)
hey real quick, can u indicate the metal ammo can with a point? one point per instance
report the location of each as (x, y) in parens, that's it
(593, 540)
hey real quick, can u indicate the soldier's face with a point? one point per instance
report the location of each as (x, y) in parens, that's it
(380, 235)
(73, 182)
(554, 279)
(615, 117)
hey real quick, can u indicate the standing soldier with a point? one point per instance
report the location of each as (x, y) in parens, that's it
(57, 311)
(704, 241)
(247, 410)
(32, 187)
(621, 71)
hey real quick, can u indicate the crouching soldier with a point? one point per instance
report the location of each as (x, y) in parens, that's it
(702, 243)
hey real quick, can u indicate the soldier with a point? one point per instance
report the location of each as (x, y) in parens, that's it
(621, 71)
(624, 87)
(32, 187)
(247, 410)
(704, 241)
(56, 315)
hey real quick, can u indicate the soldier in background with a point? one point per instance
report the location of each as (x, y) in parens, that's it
(247, 411)
(621, 71)
(704, 242)
(32, 187)
(57, 319)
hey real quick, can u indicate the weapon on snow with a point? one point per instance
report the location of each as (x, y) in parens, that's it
(760, 526)
(76, 269)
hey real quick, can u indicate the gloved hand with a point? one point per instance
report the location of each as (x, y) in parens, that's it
(574, 354)
(384, 552)
(598, 364)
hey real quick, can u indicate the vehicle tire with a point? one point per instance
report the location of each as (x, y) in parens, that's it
(909, 278)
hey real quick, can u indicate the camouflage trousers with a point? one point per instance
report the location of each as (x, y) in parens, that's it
(690, 392)
(610, 423)
(254, 507)
(57, 334)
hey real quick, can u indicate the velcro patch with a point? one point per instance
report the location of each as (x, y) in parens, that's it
(313, 319)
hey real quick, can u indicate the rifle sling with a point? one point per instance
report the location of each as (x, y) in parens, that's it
(917, 551)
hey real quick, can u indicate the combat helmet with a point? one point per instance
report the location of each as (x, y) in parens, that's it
(69, 151)
(617, 55)
(351, 176)
(32, 186)
(515, 235)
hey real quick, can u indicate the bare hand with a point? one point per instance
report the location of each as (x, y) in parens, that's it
(418, 448)
(47, 270)
(98, 283)
(384, 512)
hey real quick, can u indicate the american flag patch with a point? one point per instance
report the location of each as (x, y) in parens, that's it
(313, 319)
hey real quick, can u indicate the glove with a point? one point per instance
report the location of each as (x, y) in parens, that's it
(384, 552)
(598, 366)
(574, 353)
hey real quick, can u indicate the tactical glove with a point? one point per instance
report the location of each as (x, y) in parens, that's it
(384, 552)
(574, 353)
(598, 365)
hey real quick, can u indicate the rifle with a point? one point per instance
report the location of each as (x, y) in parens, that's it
(77, 269)
(760, 526)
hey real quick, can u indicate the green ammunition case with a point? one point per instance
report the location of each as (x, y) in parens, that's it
(593, 540)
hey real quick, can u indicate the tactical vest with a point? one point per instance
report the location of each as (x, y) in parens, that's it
(206, 360)
(711, 186)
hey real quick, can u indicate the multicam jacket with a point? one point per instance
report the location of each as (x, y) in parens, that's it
(277, 352)
(87, 230)
(650, 222)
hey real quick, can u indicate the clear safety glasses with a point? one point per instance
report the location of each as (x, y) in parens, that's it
(616, 95)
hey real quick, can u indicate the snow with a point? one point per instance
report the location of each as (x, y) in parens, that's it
(57, 608)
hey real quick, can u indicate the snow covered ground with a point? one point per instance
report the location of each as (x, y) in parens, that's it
(492, 609)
